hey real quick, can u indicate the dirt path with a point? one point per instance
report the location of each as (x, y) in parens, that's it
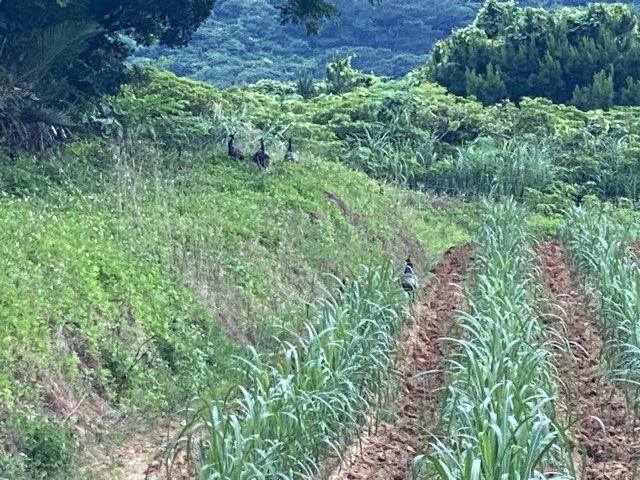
(610, 454)
(386, 455)
(136, 458)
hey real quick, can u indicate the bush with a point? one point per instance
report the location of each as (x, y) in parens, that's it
(46, 449)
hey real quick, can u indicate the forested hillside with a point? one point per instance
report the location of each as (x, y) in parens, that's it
(242, 42)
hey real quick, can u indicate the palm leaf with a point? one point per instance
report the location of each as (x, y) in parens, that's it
(43, 46)
(49, 116)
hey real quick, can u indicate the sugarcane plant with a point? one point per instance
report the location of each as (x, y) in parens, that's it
(599, 252)
(498, 412)
(309, 399)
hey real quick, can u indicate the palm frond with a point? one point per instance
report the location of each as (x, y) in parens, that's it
(40, 114)
(26, 124)
(44, 46)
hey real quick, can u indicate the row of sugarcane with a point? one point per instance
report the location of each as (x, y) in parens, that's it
(498, 413)
(499, 407)
(599, 251)
(310, 399)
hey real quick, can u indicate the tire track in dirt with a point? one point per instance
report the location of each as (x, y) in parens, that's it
(588, 393)
(387, 453)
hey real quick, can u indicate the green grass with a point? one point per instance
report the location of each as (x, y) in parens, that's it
(502, 168)
(137, 276)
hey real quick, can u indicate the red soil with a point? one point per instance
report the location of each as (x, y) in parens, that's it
(588, 394)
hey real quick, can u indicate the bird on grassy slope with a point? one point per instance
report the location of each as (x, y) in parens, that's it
(261, 157)
(409, 281)
(290, 155)
(232, 151)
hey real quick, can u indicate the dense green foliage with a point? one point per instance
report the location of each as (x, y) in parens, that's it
(60, 56)
(57, 57)
(66, 50)
(311, 399)
(589, 57)
(408, 132)
(241, 42)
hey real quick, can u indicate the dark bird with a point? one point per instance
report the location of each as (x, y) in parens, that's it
(409, 280)
(261, 157)
(233, 151)
(290, 155)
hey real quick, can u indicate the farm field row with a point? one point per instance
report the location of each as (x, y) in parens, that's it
(602, 438)
(498, 416)
(590, 431)
(387, 449)
(508, 369)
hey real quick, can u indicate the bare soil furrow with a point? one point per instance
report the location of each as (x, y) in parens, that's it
(590, 399)
(387, 453)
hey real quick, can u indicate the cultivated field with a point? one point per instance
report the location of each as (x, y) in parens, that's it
(515, 364)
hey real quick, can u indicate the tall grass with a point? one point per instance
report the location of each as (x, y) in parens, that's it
(607, 165)
(499, 167)
(380, 154)
(598, 250)
(309, 400)
(499, 404)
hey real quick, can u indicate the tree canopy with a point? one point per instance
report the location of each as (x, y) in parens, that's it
(74, 47)
(588, 57)
(59, 55)
(242, 41)
(79, 45)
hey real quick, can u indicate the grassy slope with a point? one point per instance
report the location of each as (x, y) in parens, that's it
(135, 288)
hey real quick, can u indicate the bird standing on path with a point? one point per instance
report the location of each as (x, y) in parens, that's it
(232, 151)
(409, 281)
(290, 155)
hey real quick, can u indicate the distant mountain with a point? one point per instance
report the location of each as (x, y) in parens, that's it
(243, 40)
